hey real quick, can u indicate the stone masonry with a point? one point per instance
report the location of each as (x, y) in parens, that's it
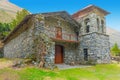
(84, 38)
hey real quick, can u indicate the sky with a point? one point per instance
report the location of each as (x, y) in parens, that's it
(72, 6)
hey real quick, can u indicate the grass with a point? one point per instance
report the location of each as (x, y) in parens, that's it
(98, 72)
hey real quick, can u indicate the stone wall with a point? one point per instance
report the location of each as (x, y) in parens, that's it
(103, 48)
(98, 48)
(44, 50)
(70, 53)
(21, 46)
(44, 46)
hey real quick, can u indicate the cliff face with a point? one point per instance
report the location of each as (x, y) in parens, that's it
(7, 11)
(114, 36)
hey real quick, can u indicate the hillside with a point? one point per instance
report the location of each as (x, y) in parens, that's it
(114, 36)
(7, 11)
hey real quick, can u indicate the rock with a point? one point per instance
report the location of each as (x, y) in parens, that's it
(18, 63)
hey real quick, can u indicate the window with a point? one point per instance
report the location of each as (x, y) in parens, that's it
(102, 25)
(98, 23)
(58, 32)
(86, 54)
(87, 29)
(87, 25)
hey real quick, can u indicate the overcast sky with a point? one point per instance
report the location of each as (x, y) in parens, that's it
(71, 6)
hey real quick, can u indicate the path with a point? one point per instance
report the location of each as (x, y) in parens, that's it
(64, 66)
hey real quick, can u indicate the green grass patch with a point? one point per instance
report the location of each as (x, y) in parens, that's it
(98, 72)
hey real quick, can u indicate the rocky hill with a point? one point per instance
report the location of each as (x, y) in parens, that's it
(114, 36)
(7, 11)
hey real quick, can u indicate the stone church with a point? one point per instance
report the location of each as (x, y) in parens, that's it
(58, 37)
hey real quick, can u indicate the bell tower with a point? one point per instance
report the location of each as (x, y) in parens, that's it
(94, 43)
(91, 19)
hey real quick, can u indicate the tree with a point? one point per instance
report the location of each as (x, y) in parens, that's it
(19, 17)
(6, 28)
(115, 50)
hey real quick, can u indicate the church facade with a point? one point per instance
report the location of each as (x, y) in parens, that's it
(57, 38)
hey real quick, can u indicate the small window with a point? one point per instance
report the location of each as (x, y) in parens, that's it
(87, 29)
(86, 54)
(98, 23)
(102, 25)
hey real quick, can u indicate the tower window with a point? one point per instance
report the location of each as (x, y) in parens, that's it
(102, 25)
(87, 29)
(87, 25)
(98, 23)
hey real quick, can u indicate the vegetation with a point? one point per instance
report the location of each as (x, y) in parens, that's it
(5, 28)
(115, 51)
(99, 72)
(19, 17)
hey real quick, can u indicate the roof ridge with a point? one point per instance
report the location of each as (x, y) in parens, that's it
(90, 6)
(51, 12)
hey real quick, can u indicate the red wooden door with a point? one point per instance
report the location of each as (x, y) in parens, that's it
(58, 54)
(59, 33)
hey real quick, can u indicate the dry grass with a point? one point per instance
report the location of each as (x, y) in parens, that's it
(5, 63)
(9, 76)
